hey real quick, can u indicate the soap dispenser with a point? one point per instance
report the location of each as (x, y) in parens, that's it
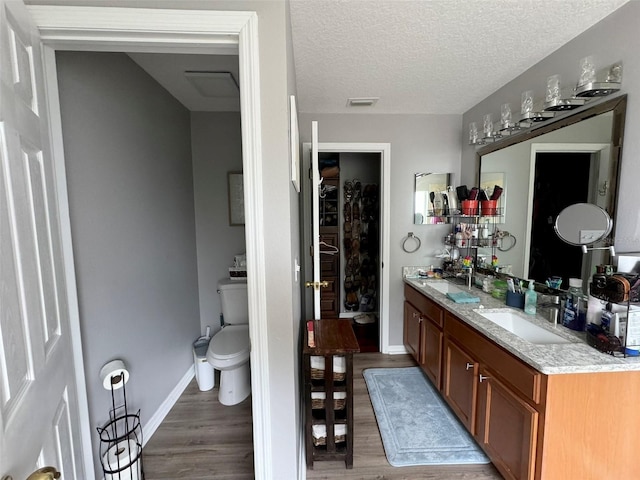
(530, 299)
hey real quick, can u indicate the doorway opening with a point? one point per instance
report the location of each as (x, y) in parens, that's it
(350, 241)
(560, 179)
(353, 233)
(158, 177)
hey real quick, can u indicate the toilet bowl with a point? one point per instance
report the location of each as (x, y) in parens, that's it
(229, 349)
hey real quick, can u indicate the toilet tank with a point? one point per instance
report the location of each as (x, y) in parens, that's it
(234, 301)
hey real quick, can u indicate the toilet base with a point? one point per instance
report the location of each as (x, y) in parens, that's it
(235, 385)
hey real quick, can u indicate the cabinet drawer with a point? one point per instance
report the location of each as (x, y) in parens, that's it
(523, 378)
(426, 306)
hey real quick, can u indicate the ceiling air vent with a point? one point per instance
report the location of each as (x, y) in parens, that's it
(362, 101)
(213, 84)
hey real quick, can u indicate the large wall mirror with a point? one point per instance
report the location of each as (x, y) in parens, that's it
(573, 160)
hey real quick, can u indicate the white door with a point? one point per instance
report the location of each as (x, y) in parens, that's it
(38, 401)
(315, 229)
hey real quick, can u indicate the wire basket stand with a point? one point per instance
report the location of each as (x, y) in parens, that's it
(121, 437)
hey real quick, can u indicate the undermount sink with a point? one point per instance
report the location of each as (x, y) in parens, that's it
(520, 326)
(444, 287)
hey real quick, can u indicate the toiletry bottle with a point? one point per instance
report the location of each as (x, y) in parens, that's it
(575, 312)
(606, 319)
(530, 299)
(485, 232)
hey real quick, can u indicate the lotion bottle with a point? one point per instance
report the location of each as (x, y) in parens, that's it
(530, 299)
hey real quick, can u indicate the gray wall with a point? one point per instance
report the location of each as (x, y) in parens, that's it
(615, 38)
(217, 149)
(128, 161)
(419, 143)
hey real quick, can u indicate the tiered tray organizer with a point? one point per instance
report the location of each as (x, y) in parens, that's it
(121, 439)
(470, 246)
(610, 343)
(329, 392)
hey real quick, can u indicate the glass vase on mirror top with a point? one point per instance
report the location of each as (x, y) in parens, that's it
(505, 115)
(553, 88)
(526, 105)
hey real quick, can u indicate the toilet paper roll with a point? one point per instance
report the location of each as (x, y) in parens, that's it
(114, 375)
(122, 459)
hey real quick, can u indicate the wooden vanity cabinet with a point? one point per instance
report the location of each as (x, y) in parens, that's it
(531, 425)
(423, 336)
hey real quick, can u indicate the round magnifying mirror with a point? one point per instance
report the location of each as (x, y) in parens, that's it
(583, 224)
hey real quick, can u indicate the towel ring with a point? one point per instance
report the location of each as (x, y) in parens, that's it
(513, 243)
(411, 236)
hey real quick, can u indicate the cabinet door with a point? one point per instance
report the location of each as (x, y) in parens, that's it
(460, 387)
(412, 330)
(432, 348)
(507, 428)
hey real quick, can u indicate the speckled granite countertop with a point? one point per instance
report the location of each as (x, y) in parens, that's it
(574, 357)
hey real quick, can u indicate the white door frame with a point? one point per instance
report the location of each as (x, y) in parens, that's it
(175, 31)
(384, 150)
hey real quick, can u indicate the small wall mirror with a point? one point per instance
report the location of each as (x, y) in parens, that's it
(432, 201)
(583, 224)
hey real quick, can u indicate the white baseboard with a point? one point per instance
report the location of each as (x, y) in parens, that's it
(156, 419)
(396, 350)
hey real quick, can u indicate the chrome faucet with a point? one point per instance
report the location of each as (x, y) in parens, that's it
(468, 271)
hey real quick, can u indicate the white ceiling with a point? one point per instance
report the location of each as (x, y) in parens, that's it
(425, 56)
(418, 56)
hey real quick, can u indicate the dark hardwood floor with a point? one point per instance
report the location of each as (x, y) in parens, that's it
(202, 439)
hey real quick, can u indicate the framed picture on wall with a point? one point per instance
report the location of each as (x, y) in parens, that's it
(236, 198)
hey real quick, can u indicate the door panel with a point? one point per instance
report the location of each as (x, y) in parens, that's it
(412, 330)
(315, 229)
(460, 385)
(39, 420)
(432, 352)
(507, 429)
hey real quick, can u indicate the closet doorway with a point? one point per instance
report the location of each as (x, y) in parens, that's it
(353, 210)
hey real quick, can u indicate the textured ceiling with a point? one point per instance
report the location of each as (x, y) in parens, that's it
(425, 56)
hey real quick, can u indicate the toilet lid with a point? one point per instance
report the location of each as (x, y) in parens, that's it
(231, 341)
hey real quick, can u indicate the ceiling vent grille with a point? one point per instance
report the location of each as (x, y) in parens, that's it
(213, 84)
(362, 101)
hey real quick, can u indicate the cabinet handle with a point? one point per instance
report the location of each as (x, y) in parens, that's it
(415, 315)
(483, 378)
(469, 365)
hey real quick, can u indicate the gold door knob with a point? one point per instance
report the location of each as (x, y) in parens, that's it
(317, 285)
(44, 473)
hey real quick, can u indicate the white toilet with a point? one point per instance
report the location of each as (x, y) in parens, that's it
(229, 348)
